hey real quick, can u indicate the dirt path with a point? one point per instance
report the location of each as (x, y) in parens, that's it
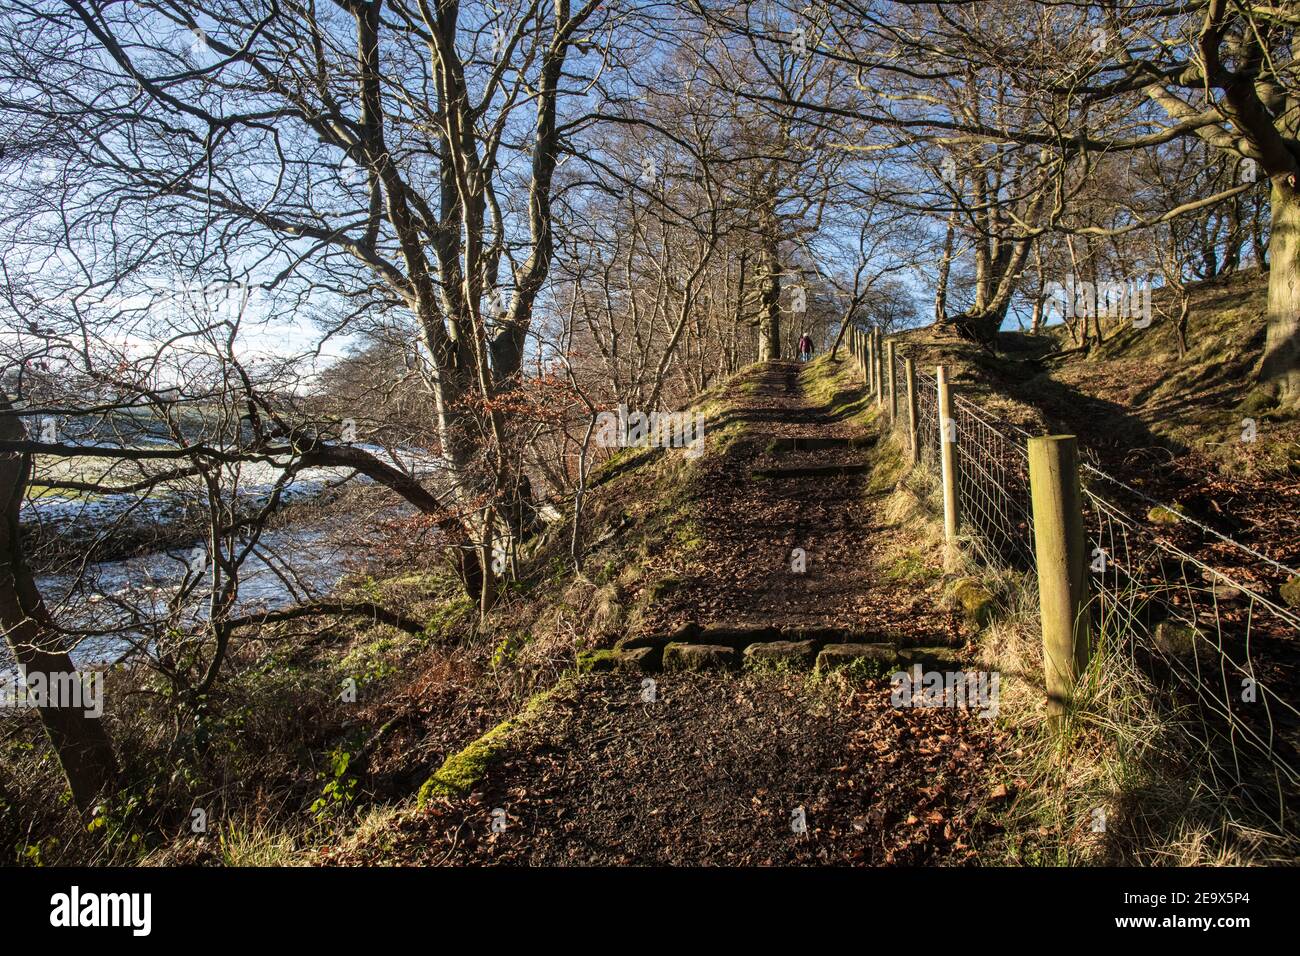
(721, 766)
(759, 503)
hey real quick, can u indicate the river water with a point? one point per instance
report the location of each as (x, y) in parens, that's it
(291, 564)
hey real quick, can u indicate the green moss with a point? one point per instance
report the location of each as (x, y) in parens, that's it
(910, 568)
(860, 670)
(1162, 515)
(449, 617)
(598, 660)
(887, 467)
(371, 660)
(1176, 638)
(1258, 400)
(461, 771)
(689, 537)
(660, 589)
(976, 601)
(606, 572)
(507, 648)
(416, 579)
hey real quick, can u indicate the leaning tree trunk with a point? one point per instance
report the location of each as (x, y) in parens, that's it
(1281, 367)
(80, 741)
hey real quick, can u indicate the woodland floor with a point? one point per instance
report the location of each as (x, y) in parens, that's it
(712, 770)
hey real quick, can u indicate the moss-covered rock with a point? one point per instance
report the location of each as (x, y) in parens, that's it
(698, 657)
(1162, 515)
(1175, 638)
(684, 634)
(599, 660)
(833, 656)
(646, 659)
(976, 601)
(1291, 592)
(1258, 400)
(791, 653)
(461, 771)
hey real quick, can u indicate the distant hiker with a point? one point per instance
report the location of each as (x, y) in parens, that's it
(805, 347)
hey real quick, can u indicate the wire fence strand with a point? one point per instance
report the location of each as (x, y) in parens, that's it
(1224, 650)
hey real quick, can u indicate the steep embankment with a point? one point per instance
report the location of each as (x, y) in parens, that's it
(1191, 430)
(696, 732)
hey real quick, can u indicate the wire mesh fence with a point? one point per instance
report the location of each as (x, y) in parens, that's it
(1225, 651)
(992, 477)
(1207, 638)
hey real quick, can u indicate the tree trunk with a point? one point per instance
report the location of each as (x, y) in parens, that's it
(80, 741)
(1180, 326)
(1257, 234)
(769, 316)
(945, 270)
(1281, 366)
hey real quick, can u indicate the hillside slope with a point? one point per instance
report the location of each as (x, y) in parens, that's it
(1192, 431)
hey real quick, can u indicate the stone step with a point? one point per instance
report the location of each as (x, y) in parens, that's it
(810, 471)
(699, 657)
(818, 444)
(890, 656)
(841, 655)
(799, 654)
(741, 634)
(725, 647)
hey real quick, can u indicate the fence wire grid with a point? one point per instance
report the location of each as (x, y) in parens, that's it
(1223, 651)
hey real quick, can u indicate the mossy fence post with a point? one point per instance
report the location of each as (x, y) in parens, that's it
(948, 467)
(913, 437)
(1061, 555)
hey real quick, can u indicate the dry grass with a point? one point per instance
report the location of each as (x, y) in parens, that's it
(1124, 760)
(1124, 781)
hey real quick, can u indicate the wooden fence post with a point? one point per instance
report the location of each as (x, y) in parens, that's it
(913, 438)
(1061, 555)
(880, 372)
(871, 362)
(893, 383)
(948, 470)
